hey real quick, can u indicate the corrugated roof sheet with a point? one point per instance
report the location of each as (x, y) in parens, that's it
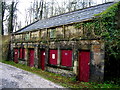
(67, 18)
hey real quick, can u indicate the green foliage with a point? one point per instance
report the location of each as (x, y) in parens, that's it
(73, 79)
(110, 11)
(108, 31)
(78, 25)
(107, 26)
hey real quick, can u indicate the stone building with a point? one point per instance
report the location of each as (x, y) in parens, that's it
(56, 45)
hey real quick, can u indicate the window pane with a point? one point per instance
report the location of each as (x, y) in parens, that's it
(53, 33)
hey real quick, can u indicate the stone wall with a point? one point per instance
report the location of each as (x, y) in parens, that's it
(97, 62)
(63, 72)
(5, 47)
(96, 48)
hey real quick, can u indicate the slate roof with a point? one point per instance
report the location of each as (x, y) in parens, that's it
(67, 18)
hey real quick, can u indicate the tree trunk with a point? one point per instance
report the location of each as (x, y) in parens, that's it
(41, 11)
(10, 25)
(3, 12)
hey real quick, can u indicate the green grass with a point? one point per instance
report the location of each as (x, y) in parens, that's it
(61, 80)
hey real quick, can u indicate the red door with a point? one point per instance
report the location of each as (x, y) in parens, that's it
(16, 55)
(42, 59)
(66, 58)
(24, 53)
(53, 57)
(21, 52)
(31, 58)
(84, 58)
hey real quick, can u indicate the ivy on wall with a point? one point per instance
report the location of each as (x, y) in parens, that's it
(106, 25)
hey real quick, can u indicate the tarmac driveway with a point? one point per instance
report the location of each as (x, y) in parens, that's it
(12, 77)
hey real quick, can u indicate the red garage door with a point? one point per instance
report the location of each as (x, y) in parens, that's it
(84, 58)
(16, 55)
(53, 57)
(66, 58)
(31, 57)
(42, 59)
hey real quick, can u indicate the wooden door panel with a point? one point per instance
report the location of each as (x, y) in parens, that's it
(31, 56)
(53, 57)
(42, 55)
(84, 59)
(66, 58)
(16, 55)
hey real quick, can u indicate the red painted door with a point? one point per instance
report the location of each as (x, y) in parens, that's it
(16, 55)
(66, 58)
(21, 52)
(53, 57)
(84, 58)
(42, 55)
(31, 58)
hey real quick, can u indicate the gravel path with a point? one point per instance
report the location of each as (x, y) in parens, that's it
(12, 77)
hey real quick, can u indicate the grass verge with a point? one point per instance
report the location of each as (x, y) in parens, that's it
(61, 80)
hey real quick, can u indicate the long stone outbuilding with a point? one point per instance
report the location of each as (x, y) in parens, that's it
(55, 45)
